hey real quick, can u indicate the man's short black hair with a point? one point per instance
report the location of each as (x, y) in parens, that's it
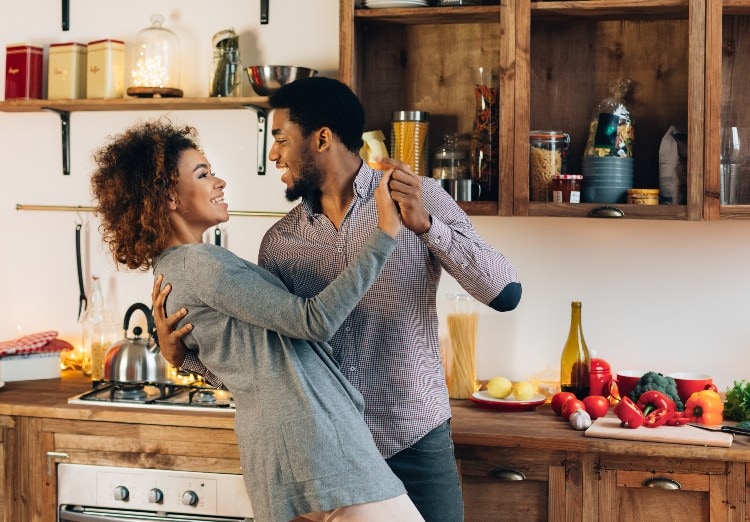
(318, 102)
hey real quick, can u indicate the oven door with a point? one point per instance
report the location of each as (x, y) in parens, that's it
(91, 493)
(90, 514)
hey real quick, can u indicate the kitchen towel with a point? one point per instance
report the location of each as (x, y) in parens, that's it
(39, 342)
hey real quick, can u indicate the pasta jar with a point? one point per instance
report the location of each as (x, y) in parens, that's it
(566, 188)
(409, 139)
(548, 156)
(643, 196)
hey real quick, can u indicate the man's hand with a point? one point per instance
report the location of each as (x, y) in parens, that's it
(170, 343)
(406, 190)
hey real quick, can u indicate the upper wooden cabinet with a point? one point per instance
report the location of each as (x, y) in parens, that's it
(555, 62)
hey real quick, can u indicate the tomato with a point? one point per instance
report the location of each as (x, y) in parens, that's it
(570, 406)
(559, 399)
(596, 406)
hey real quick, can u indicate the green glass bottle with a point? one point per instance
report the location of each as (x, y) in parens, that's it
(575, 360)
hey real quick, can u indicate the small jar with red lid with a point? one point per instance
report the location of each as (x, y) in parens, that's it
(566, 188)
(600, 377)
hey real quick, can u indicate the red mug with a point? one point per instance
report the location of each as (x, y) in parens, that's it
(626, 381)
(689, 383)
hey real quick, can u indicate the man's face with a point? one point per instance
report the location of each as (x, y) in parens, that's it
(294, 157)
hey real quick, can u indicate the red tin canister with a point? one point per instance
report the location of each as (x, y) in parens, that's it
(23, 71)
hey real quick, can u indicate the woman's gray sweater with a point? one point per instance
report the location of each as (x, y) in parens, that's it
(303, 443)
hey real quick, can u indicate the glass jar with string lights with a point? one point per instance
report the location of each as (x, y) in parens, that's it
(155, 62)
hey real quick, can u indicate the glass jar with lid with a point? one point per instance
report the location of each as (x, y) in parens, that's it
(226, 69)
(449, 161)
(548, 156)
(155, 62)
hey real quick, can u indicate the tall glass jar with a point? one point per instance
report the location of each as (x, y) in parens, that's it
(485, 143)
(155, 61)
(409, 141)
(548, 156)
(226, 69)
(462, 321)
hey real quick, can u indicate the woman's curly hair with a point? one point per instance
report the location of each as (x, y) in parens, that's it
(135, 176)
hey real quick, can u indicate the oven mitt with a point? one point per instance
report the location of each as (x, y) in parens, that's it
(31, 343)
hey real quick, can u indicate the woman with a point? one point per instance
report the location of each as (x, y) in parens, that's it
(305, 449)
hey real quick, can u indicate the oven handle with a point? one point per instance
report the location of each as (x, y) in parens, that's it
(111, 516)
(53, 456)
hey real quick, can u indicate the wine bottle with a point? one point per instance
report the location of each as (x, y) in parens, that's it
(575, 360)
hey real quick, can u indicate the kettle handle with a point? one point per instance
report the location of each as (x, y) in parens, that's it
(146, 311)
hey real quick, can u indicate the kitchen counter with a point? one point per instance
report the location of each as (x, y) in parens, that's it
(471, 424)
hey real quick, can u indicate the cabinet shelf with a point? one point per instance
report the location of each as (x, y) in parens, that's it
(612, 9)
(430, 15)
(133, 104)
(662, 212)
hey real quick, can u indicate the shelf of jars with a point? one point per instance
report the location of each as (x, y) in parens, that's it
(134, 104)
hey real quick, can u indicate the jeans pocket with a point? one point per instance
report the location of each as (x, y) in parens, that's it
(436, 441)
(312, 448)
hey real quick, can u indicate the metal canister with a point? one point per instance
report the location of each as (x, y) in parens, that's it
(409, 139)
(548, 156)
(66, 71)
(105, 63)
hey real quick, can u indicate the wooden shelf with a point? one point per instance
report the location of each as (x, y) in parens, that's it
(431, 15)
(662, 212)
(612, 9)
(134, 104)
(736, 7)
(479, 208)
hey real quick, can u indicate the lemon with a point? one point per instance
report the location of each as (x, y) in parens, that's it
(499, 387)
(523, 390)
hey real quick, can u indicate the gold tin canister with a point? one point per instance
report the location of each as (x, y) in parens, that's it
(66, 71)
(105, 77)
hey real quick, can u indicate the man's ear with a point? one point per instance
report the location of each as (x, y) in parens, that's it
(324, 139)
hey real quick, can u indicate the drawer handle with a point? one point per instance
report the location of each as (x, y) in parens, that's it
(661, 483)
(506, 474)
(606, 212)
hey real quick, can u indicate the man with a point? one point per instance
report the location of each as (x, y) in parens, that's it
(388, 347)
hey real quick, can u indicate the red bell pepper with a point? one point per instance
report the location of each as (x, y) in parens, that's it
(628, 413)
(654, 400)
(657, 418)
(677, 418)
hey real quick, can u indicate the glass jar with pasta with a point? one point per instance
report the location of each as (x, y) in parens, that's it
(463, 321)
(548, 156)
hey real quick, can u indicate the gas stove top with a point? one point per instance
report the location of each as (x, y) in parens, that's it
(194, 396)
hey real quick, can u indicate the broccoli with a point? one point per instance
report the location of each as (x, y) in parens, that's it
(658, 382)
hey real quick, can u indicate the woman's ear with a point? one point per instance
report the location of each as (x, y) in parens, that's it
(172, 201)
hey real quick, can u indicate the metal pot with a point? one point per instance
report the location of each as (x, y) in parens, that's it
(136, 360)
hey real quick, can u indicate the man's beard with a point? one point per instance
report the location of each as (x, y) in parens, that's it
(307, 184)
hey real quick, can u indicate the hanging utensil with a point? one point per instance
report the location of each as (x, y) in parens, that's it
(217, 236)
(82, 301)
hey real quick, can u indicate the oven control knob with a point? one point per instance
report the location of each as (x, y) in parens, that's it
(121, 493)
(155, 496)
(190, 498)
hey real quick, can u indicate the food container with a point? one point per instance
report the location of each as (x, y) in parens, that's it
(566, 188)
(643, 196)
(409, 139)
(66, 71)
(105, 76)
(548, 156)
(23, 71)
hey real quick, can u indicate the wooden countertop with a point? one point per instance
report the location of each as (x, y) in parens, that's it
(471, 424)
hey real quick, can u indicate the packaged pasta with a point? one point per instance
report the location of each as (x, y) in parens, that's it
(611, 130)
(548, 156)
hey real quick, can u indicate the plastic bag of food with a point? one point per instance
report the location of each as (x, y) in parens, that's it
(673, 167)
(611, 130)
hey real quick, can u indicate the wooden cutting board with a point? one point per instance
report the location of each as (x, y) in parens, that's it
(609, 428)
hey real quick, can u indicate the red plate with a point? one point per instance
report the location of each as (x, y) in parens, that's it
(483, 398)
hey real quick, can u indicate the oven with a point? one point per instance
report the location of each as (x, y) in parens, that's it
(91, 493)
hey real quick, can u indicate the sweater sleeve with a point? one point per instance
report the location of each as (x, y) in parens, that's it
(249, 293)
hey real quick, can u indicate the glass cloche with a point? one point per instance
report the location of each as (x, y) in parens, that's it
(155, 62)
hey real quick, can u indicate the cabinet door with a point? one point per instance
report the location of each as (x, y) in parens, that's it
(636, 489)
(652, 44)
(505, 484)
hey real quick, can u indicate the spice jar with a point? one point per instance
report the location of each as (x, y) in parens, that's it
(643, 196)
(225, 77)
(548, 156)
(566, 188)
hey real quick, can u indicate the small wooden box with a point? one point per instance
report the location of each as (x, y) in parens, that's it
(66, 71)
(23, 71)
(105, 64)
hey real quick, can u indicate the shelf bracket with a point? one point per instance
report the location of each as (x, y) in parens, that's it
(65, 15)
(263, 12)
(262, 130)
(65, 128)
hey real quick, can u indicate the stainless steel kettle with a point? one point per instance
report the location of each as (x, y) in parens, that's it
(136, 360)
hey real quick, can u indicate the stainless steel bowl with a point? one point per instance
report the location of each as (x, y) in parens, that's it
(267, 79)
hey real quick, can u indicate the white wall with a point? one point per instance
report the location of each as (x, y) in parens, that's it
(666, 296)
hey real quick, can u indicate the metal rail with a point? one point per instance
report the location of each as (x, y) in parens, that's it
(78, 208)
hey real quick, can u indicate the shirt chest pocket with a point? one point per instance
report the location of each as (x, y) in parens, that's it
(311, 449)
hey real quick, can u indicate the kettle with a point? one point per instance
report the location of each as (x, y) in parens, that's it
(136, 360)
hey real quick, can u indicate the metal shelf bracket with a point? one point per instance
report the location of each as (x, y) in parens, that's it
(262, 130)
(65, 128)
(65, 15)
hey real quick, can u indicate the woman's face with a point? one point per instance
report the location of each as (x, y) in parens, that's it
(200, 194)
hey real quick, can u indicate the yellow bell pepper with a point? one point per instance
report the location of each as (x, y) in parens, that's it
(705, 407)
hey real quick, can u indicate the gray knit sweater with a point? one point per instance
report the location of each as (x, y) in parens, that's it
(303, 442)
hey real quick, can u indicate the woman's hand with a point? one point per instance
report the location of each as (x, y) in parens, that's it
(389, 220)
(170, 344)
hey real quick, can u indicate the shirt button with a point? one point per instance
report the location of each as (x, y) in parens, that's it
(352, 369)
(341, 250)
(348, 329)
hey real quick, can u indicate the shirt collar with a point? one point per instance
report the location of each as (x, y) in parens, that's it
(364, 187)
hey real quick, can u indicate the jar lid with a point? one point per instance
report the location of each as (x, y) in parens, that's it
(643, 192)
(567, 176)
(599, 365)
(411, 116)
(548, 134)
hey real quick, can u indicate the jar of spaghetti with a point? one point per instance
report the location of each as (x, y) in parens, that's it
(548, 156)
(566, 188)
(643, 196)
